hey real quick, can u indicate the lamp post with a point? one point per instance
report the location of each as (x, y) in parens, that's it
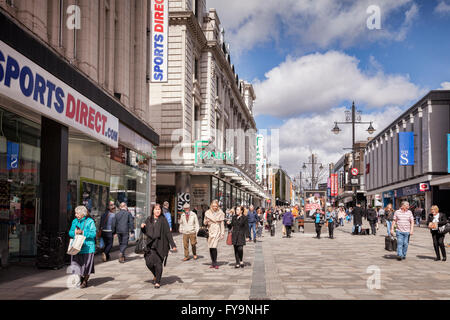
(313, 164)
(353, 117)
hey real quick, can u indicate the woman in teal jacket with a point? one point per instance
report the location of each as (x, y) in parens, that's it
(83, 262)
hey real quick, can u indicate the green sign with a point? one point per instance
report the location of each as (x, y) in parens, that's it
(200, 154)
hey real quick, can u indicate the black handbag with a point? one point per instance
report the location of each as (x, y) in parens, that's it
(203, 232)
(444, 229)
(141, 244)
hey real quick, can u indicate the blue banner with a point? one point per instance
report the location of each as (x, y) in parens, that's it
(12, 159)
(406, 148)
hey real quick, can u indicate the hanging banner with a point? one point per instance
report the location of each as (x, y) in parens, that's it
(159, 42)
(259, 157)
(406, 148)
(12, 160)
(334, 184)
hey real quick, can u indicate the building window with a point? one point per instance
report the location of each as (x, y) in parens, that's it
(195, 69)
(217, 86)
(197, 123)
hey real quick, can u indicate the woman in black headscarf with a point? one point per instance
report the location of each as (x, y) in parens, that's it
(159, 237)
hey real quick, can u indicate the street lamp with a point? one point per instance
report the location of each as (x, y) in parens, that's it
(353, 117)
(313, 164)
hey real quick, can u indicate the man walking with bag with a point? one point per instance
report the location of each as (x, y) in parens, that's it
(107, 222)
(189, 227)
(404, 220)
(124, 224)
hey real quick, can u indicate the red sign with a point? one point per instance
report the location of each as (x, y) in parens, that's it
(355, 171)
(334, 184)
(424, 187)
(312, 206)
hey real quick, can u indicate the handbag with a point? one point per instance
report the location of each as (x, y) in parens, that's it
(141, 244)
(444, 229)
(203, 232)
(101, 243)
(229, 238)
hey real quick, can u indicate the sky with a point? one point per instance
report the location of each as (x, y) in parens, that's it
(309, 59)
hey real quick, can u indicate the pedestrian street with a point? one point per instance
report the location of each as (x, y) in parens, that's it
(298, 268)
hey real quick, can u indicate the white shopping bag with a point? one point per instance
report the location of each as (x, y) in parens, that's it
(76, 244)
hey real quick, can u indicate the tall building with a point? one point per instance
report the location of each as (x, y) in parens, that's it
(408, 160)
(75, 119)
(204, 115)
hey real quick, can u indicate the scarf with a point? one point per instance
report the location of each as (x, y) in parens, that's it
(215, 217)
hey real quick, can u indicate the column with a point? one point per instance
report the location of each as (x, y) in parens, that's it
(53, 240)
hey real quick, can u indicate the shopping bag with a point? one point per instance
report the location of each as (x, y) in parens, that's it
(101, 243)
(203, 232)
(229, 238)
(76, 244)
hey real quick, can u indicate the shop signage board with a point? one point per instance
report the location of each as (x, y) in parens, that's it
(259, 157)
(406, 148)
(38, 90)
(200, 154)
(334, 184)
(159, 41)
(412, 190)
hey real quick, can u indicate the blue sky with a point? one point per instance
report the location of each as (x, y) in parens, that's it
(324, 48)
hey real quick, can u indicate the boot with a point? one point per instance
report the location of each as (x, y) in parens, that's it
(84, 283)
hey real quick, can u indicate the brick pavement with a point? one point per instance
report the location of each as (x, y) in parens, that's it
(276, 268)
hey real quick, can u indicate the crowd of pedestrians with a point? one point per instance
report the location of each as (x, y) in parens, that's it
(240, 225)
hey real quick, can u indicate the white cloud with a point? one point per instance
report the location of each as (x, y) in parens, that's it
(442, 8)
(301, 136)
(445, 86)
(311, 23)
(318, 82)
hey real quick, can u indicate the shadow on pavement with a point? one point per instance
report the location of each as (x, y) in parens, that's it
(390, 256)
(426, 257)
(99, 281)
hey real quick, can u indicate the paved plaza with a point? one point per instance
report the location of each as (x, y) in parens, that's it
(298, 268)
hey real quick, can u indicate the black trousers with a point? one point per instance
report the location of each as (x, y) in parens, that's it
(123, 242)
(213, 254)
(438, 242)
(108, 239)
(155, 264)
(318, 229)
(373, 226)
(288, 231)
(239, 253)
(330, 229)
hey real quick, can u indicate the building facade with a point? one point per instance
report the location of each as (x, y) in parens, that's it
(75, 119)
(393, 174)
(204, 115)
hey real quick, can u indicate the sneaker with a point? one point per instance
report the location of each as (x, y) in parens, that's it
(216, 267)
(185, 259)
(211, 266)
(399, 258)
(122, 259)
(195, 257)
(242, 264)
(237, 266)
(444, 259)
(403, 258)
(104, 258)
(437, 259)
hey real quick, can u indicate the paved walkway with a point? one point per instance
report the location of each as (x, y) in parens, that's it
(276, 268)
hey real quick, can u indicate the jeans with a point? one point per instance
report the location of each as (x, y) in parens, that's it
(341, 222)
(108, 240)
(373, 226)
(359, 228)
(389, 226)
(252, 226)
(402, 243)
(330, 229)
(418, 221)
(123, 242)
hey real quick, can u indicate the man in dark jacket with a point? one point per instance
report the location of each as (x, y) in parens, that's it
(373, 218)
(357, 218)
(253, 219)
(124, 224)
(288, 220)
(107, 223)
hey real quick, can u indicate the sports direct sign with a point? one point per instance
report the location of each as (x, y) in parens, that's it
(159, 43)
(27, 83)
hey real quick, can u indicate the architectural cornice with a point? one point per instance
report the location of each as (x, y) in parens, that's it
(188, 19)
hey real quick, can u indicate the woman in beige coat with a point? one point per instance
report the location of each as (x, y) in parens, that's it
(214, 218)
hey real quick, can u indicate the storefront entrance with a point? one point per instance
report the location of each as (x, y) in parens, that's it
(19, 186)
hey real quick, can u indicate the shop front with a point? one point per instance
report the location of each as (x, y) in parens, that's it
(61, 145)
(418, 195)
